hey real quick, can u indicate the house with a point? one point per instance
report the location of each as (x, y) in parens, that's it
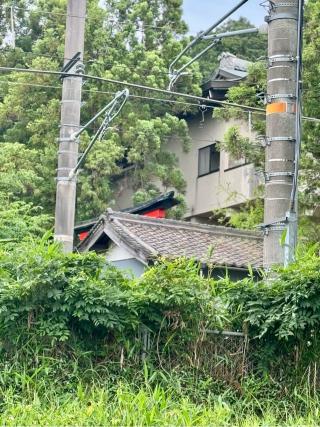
(133, 238)
(230, 72)
(132, 242)
(214, 180)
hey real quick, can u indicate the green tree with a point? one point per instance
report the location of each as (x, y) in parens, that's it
(310, 176)
(130, 40)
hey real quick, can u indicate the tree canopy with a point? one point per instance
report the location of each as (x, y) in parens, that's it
(129, 40)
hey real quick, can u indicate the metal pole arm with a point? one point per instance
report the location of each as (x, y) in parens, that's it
(112, 110)
(112, 104)
(204, 33)
(232, 33)
(216, 38)
(179, 72)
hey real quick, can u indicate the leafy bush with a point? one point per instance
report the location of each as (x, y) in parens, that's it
(285, 304)
(19, 220)
(47, 293)
(70, 318)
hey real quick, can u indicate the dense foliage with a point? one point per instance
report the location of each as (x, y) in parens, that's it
(126, 40)
(65, 297)
(83, 343)
(77, 294)
(71, 326)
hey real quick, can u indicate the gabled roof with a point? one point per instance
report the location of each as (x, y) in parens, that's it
(231, 71)
(146, 238)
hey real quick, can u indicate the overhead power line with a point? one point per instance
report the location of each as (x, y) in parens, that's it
(135, 85)
(101, 92)
(97, 62)
(133, 96)
(149, 88)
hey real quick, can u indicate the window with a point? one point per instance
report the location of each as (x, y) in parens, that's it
(209, 160)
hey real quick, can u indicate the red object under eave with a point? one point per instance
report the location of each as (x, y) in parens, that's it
(156, 213)
(83, 235)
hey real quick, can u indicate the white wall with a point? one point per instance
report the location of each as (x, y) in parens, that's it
(122, 259)
(222, 189)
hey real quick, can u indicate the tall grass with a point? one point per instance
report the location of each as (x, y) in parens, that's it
(55, 392)
(125, 405)
(73, 348)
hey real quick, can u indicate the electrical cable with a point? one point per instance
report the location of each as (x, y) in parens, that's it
(138, 97)
(135, 85)
(96, 61)
(294, 192)
(93, 91)
(148, 88)
(160, 73)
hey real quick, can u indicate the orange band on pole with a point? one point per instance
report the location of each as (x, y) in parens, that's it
(277, 107)
(280, 107)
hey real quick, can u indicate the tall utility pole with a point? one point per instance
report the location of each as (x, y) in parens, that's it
(70, 122)
(281, 132)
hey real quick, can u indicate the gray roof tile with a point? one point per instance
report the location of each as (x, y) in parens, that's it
(152, 237)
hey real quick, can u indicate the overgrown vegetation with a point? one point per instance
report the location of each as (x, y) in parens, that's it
(125, 40)
(80, 342)
(83, 343)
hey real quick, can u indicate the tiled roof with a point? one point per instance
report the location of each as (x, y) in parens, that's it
(151, 237)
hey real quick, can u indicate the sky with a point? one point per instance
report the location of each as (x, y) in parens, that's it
(200, 14)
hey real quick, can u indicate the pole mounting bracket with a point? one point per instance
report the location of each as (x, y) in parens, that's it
(74, 62)
(270, 98)
(268, 175)
(69, 139)
(285, 4)
(277, 225)
(65, 179)
(280, 58)
(269, 140)
(275, 17)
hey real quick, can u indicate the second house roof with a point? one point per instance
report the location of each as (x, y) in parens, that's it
(148, 238)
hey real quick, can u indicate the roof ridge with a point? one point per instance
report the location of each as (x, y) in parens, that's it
(132, 235)
(217, 229)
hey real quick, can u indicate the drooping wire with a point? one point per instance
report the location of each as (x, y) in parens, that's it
(135, 85)
(101, 92)
(298, 127)
(201, 99)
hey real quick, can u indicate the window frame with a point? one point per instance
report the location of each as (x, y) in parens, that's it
(210, 171)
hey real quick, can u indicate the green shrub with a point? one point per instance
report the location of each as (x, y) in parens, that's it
(52, 295)
(71, 319)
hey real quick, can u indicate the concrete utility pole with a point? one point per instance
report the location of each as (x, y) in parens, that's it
(281, 133)
(70, 121)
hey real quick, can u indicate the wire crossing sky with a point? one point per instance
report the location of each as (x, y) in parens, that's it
(200, 14)
(204, 101)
